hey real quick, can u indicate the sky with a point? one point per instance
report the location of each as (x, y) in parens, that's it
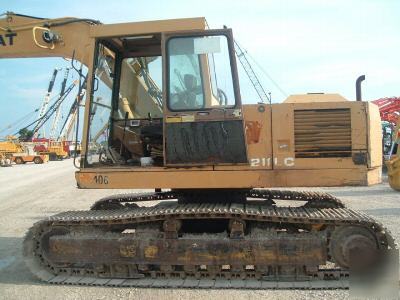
(295, 46)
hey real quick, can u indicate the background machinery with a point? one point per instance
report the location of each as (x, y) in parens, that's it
(12, 150)
(29, 154)
(241, 55)
(393, 162)
(8, 147)
(389, 109)
(45, 103)
(163, 111)
(56, 150)
(57, 115)
(54, 146)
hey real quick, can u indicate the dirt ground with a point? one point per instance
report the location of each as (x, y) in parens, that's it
(30, 192)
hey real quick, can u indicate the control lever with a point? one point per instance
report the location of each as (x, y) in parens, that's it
(123, 135)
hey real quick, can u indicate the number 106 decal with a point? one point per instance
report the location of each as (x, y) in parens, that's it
(100, 179)
(268, 161)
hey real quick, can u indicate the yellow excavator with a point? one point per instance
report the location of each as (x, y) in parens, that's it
(393, 164)
(163, 111)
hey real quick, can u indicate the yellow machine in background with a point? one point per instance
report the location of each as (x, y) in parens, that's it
(29, 156)
(54, 149)
(393, 164)
(57, 148)
(8, 147)
(12, 150)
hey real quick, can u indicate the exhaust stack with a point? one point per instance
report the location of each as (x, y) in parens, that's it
(358, 87)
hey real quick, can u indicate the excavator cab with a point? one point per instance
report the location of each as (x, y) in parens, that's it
(125, 113)
(166, 99)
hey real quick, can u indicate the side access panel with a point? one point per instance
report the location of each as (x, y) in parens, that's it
(324, 135)
(205, 142)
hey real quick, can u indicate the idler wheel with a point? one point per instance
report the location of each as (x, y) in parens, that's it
(353, 247)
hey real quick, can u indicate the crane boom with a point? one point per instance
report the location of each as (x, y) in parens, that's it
(45, 102)
(52, 109)
(241, 55)
(58, 111)
(71, 117)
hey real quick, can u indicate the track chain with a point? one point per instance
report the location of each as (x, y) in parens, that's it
(246, 211)
(313, 199)
(192, 283)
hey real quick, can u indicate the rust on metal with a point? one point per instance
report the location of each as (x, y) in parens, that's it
(128, 250)
(253, 130)
(301, 250)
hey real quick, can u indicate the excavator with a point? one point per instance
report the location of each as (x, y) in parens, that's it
(163, 112)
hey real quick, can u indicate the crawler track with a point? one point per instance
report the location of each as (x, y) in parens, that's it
(53, 247)
(313, 199)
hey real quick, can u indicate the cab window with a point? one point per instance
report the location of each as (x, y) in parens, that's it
(199, 75)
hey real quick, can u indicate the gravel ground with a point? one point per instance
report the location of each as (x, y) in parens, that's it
(30, 192)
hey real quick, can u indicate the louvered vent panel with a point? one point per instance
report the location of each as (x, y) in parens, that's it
(322, 133)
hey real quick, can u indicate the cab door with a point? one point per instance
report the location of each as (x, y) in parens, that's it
(203, 122)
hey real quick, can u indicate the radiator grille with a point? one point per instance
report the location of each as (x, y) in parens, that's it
(322, 133)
